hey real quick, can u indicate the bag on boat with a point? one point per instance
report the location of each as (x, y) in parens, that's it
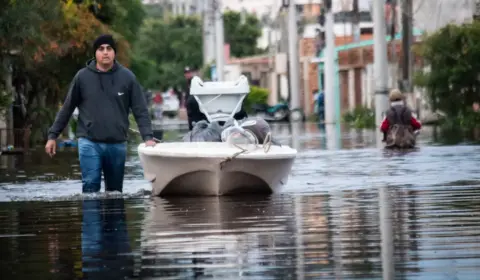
(235, 135)
(257, 127)
(204, 132)
(400, 136)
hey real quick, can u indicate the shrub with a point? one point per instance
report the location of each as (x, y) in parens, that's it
(360, 117)
(257, 95)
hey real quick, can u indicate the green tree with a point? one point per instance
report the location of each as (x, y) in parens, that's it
(453, 54)
(164, 48)
(45, 73)
(123, 16)
(242, 35)
(46, 50)
(19, 37)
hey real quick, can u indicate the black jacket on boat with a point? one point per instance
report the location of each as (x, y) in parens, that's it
(104, 100)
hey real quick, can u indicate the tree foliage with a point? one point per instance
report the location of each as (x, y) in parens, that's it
(242, 35)
(166, 46)
(21, 41)
(44, 42)
(453, 56)
(257, 95)
(123, 16)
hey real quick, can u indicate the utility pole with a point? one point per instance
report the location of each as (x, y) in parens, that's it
(407, 40)
(392, 30)
(208, 32)
(380, 60)
(393, 26)
(270, 24)
(293, 56)
(329, 65)
(219, 39)
(205, 30)
(271, 45)
(355, 21)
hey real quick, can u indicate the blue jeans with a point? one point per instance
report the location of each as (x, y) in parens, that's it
(95, 157)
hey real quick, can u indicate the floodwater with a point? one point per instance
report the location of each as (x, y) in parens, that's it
(349, 211)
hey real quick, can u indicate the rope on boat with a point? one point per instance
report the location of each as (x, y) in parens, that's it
(267, 144)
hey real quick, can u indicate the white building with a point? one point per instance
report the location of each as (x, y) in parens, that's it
(431, 15)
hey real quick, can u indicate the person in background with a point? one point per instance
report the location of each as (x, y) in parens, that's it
(179, 94)
(157, 105)
(104, 91)
(319, 104)
(398, 115)
(188, 75)
(193, 111)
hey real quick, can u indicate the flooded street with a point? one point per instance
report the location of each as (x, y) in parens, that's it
(349, 211)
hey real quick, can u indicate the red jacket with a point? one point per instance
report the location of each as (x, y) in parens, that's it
(414, 122)
(158, 99)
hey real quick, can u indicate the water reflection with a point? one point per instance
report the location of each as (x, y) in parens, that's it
(295, 132)
(217, 237)
(106, 250)
(333, 135)
(386, 233)
(376, 233)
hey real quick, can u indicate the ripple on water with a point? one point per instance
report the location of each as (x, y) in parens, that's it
(332, 236)
(325, 224)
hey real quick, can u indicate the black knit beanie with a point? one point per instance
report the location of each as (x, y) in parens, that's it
(104, 39)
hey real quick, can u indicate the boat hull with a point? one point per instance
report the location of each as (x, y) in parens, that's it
(214, 175)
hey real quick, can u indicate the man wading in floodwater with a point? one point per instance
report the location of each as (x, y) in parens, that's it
(104, 92)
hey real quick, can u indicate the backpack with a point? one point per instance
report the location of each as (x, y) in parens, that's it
(400, 134)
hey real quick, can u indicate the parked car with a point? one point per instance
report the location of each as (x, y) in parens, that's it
(171, 104)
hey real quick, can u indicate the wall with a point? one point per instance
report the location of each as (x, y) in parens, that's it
(308, 73)
(259, 71)
(357, 77)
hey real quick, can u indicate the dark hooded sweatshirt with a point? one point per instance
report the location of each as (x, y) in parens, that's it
(104, 100)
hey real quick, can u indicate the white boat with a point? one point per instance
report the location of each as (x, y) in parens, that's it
(216, 168)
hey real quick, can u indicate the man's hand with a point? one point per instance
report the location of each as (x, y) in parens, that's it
(51, 147)
(150, 143)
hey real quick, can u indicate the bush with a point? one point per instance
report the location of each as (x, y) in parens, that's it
(360, 117)
(257, 95)
(452, 54)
